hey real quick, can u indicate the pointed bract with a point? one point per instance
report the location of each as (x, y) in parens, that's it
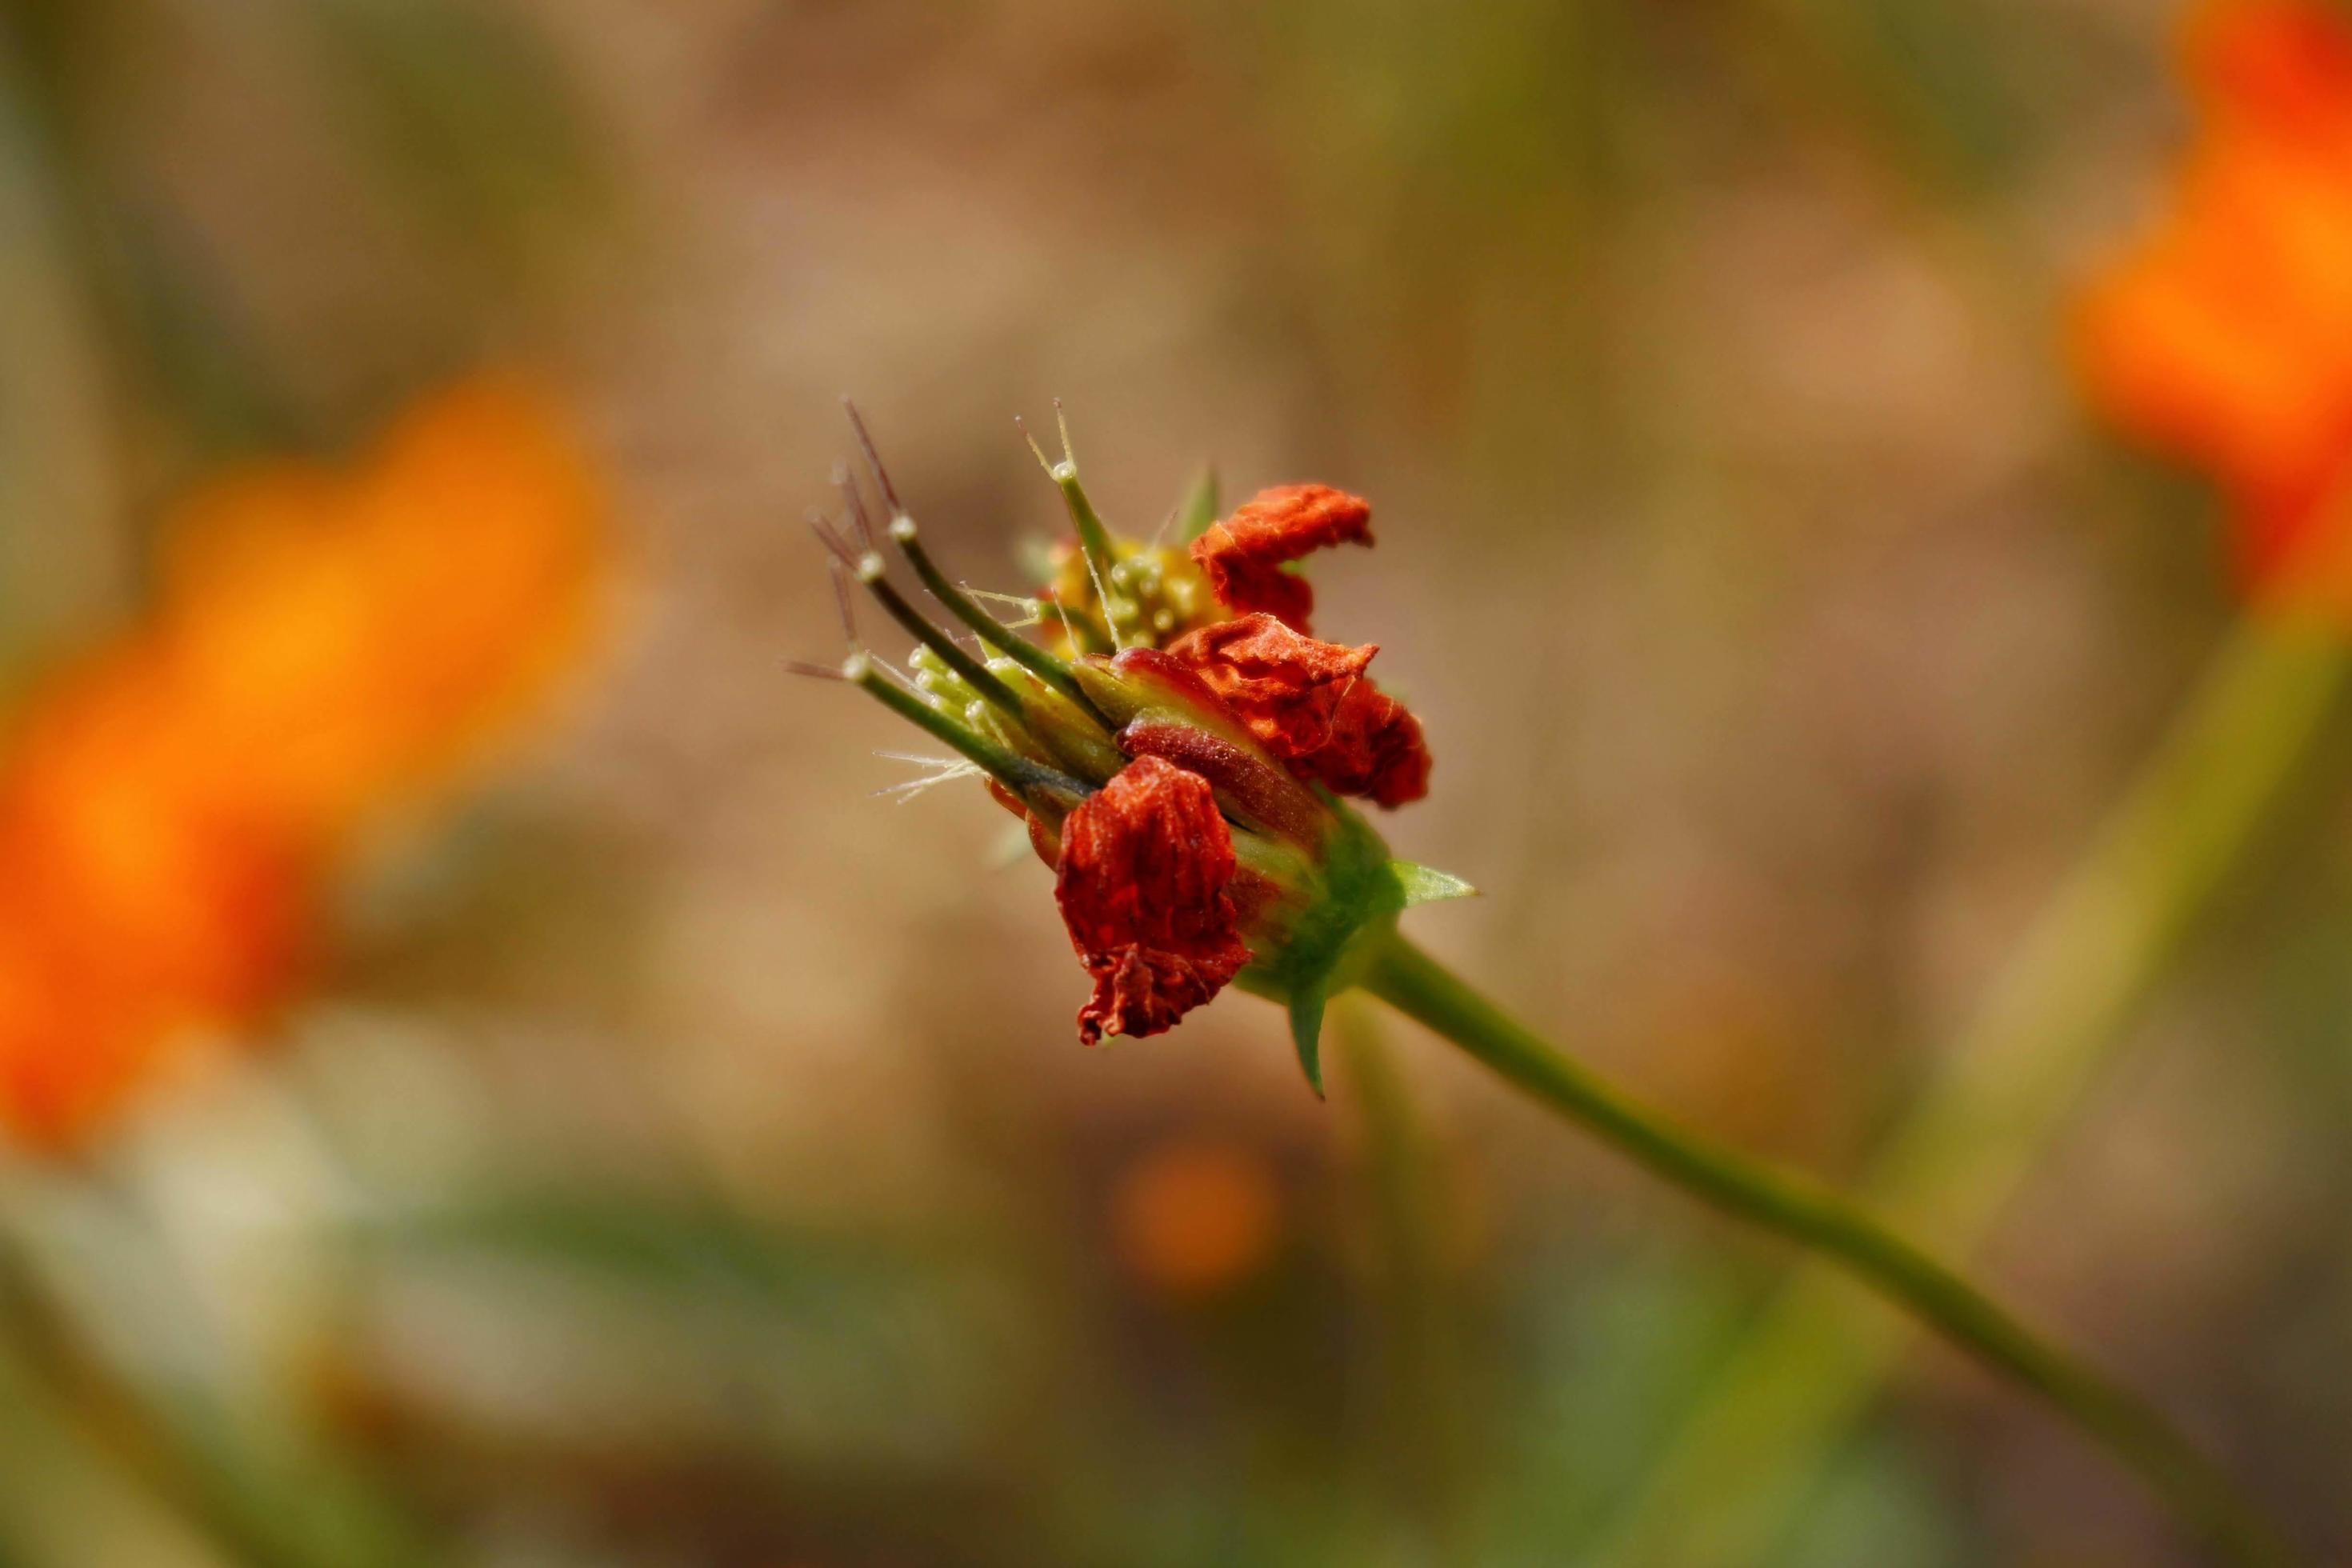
(1307, 1033)
(1428, 885)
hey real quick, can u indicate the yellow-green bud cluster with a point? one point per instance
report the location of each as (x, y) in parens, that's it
(1151, 595)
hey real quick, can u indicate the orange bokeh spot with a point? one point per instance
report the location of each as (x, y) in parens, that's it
(327, 648)
(1193, 1220)
(2226, 338)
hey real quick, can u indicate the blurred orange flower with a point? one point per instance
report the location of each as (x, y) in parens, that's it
(327, 648)
(2227, 337)
(1195, 1219)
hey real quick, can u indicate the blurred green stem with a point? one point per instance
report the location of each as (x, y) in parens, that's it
(69, 1499)
(1811, 1215)
(1403, 1183)
(2055, 1017)
(60, 486)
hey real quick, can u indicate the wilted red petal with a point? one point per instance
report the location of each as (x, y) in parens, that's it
(1243, 554)
(1144, 883)
(1311, 704)
(1376, 749)
(1286, 688)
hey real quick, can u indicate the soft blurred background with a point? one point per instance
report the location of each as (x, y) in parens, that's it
(633, 1142)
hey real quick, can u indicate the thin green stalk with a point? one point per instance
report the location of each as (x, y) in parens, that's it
(1811, 1214)
(1810, 1367)
(61, 504)
(1038, 660)
(1401, 1185)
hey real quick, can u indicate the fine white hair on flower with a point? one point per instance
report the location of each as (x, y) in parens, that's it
(939, 770)
(1032, 613)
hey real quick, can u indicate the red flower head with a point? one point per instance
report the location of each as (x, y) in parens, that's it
(1186, 796)
(1245, 555)
(2227, 337)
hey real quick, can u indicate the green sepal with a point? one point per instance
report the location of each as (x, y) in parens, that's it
(1352, 912)
(1427, 884)
(1306, 1032)
(1200, 506)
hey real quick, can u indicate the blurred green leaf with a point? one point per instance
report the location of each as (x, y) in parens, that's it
(284, 1494)
(469, 103)
(657, 1242)
(1935, 71)
(1602, 1352)
(66, 1503)
(832, 1349)
(200, 351)
(1874, 1506)
(61, 560)
(1199, 507)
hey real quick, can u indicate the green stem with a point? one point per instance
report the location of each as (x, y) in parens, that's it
(1038, 661)
(2053, 1021)
(1811, 1215)
(1401, 1185)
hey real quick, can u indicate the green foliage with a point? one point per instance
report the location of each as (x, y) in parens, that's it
(474, 110)
(1199, 507)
